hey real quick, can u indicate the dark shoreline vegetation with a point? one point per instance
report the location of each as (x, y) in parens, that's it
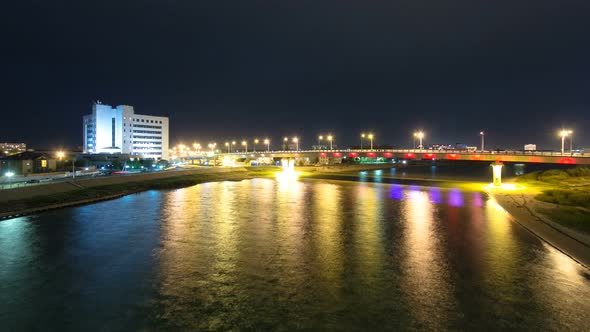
(569, 189)
(117, 190)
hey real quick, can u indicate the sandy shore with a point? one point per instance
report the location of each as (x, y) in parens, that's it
(525, 210)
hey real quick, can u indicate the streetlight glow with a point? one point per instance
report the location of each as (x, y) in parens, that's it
(330, 139)
(482, 134)
(420, 136)
(370, 136)
(564, 133)
(267, 142)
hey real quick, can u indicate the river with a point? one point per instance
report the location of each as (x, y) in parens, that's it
(266, 254)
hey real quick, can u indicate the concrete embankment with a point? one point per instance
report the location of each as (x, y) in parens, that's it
(524, 209)
(29, 200)
(65, 186)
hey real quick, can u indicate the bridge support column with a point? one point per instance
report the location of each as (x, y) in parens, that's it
(497, 173)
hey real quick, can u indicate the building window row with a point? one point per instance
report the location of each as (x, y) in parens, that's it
(146, 126)
(147, 143)
(146, 121)
(147, 148)
(147, 137)
(147, 132)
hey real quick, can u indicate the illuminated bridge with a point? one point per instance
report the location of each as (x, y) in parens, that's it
(368, 156)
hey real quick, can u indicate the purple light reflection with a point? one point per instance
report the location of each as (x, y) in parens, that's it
(455, 198)
(396, 192)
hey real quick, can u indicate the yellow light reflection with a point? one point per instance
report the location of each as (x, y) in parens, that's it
(426, 271)
(327, 211)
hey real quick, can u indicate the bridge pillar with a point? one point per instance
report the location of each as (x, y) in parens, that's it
(497, 173)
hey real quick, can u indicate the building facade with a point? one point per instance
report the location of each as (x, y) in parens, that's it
(120, 130)
(26, 163)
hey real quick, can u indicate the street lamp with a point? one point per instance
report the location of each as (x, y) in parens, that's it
(255, 142)
(320, 138)
(285, 146)
(244, 143)
(267, 142)
(296, 141)
(420, 136)
(370, 136)
(330, 139)
(482, 134)
(362, 138)
(564, 133)
(227, 144)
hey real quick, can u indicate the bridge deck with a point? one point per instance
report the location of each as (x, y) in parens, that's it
(414, 154)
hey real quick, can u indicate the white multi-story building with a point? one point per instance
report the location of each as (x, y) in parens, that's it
(119, 130)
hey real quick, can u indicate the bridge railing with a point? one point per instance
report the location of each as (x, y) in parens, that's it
(478, 152)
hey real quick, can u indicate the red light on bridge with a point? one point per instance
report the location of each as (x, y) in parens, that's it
(337, 155)
(371, 154)
(388, 155)
(475, 157)
(430, 156)
(323, 154)
(569, 161)
(453, 156)
(409, 156)
(353, 155)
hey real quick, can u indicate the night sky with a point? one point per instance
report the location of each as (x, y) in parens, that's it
(238, 69)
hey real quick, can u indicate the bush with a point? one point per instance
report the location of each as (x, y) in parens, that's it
(566, 197)
(553, 175)
(578, 171)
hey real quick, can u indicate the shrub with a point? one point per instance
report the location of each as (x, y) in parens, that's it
(578, 171)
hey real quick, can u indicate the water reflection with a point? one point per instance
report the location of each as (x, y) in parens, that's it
(426, 275)
(266, 255)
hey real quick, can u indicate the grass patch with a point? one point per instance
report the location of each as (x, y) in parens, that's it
(570, 217)
(566, 197)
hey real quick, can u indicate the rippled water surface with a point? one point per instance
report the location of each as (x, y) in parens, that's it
(281, 255)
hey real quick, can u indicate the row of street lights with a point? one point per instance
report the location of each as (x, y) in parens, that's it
(418, 135)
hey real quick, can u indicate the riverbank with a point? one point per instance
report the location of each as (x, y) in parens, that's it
(529, 212)
(22, 201)
(29, 200)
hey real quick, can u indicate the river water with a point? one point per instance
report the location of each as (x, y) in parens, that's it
(266, 254)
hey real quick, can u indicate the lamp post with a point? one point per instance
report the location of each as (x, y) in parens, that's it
(370, 137)
(362, 138)
(420, 136)
(245, 144)
(320, 138)
(227, 144)
(285, 146)
(482, 134)
(267, 142)
(571, 141)
(255, 142)
(296, 141)
(563, 133)
(330, 139)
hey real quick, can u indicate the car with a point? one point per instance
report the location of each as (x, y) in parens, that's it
(33, 181)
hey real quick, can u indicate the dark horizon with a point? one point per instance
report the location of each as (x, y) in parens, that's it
(234, 70)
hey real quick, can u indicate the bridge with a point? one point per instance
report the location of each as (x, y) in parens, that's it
(384, 155)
